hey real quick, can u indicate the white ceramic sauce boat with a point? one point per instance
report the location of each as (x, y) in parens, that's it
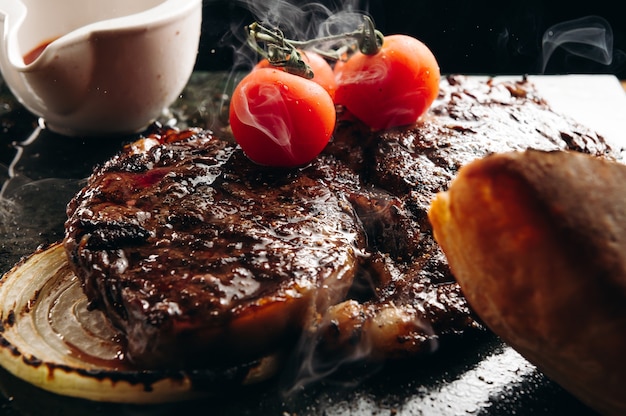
(113, 66)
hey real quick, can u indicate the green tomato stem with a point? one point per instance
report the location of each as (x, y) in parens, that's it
(283, 52)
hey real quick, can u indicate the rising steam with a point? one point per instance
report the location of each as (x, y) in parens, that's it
(297, 21)
(269, 115)
(589, 37)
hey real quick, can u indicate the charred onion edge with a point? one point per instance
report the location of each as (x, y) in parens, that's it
(103, 384)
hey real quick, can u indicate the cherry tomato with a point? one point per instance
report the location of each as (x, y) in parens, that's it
(391, 88)
(322, 71)
(281, 119)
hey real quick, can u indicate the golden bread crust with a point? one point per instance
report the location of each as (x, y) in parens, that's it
(536, 241)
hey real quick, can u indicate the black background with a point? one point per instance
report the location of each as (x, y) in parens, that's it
(470, 37)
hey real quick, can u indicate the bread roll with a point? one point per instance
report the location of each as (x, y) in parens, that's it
(537, 241)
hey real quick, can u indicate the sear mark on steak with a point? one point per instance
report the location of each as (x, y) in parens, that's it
(201, 257)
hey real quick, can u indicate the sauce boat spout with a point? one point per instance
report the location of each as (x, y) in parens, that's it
(55, 81)
(12, 15)
(111, 66)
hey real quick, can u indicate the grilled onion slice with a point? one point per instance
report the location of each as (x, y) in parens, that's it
(49, 338)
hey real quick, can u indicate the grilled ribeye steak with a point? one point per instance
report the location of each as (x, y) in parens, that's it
(201, 257)
(192, 250)
(416, 299)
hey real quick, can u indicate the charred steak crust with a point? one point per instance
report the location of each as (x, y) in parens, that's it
(199, 256)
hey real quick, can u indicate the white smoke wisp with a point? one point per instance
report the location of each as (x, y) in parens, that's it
(297, 20)
(267, 111)
(359, 336)
(7, 206)
(308, 366)
(589, 37)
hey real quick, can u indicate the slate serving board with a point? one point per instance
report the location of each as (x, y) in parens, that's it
(40, 171)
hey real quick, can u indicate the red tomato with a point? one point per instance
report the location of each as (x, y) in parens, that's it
(391, 88)
(281, 119)
(322, 71)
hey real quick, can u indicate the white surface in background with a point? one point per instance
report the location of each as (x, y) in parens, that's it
(597, 101)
